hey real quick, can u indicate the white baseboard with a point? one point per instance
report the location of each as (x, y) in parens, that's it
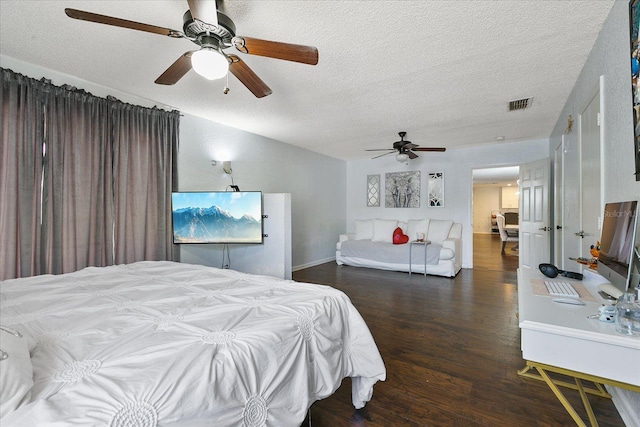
(312, 264)
(628, 405)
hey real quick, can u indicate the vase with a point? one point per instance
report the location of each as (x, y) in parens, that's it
(628, 314)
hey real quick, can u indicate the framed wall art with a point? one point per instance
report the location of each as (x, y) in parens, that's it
(373, 190)
(436, 189)
(402, 190)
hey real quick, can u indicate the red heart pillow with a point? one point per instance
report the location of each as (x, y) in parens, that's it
(399, 237)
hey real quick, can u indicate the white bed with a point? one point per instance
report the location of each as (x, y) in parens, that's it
(163, 343)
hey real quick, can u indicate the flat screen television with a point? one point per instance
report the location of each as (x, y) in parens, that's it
(617, 240)
(217, 217)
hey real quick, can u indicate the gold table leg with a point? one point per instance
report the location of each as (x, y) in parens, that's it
(553, 384)
(585, 403)
(597, 390)
(567, 405)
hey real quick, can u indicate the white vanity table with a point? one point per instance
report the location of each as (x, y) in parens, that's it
(562, 339)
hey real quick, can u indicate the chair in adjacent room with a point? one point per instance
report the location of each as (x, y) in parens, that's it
(511, 218)
(505, 235)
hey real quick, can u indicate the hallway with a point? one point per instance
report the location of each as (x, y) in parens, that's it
(487, 256)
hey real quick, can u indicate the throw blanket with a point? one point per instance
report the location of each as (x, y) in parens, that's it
(388, 252)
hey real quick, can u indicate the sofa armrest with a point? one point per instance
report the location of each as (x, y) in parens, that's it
(456, 246)
(347, 236)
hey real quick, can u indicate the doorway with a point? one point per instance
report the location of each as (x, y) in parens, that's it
(495, 191)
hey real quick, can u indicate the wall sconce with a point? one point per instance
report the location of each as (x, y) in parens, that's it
(226, 167)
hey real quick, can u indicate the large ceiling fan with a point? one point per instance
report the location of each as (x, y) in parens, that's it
(405, 149)
(213, 32)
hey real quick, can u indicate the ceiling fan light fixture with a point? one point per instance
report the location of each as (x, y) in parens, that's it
(210, 63)
(402, 157)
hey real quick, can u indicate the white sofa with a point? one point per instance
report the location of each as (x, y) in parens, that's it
(371, 245)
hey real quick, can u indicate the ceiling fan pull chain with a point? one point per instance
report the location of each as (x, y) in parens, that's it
(226, 86)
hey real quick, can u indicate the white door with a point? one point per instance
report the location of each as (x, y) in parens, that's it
(535, 230)
(558, 206)
(590, 172)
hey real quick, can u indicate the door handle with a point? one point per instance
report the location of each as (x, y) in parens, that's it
(580, 233)
(544, 228)
(558, 227)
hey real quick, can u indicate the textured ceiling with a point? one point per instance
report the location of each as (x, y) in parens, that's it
(444, 71)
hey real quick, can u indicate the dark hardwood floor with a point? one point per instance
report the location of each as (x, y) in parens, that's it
(451, 348)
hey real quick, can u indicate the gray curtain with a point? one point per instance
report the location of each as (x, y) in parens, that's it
(85, 181)
(78, 195)
(145, 143)
(21, 138)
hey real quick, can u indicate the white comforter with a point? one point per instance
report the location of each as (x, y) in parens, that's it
(162, 343)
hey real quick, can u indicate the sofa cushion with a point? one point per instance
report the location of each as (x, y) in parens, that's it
(383, 230)
(438, 230)
(415, 226)
(399, 237)
(389, 253)
(364, 229)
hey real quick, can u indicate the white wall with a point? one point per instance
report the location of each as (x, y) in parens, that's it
(609, 58)
(457, 166)
(315, 182)
(485, 200)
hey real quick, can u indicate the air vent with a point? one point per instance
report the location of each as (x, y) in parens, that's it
(519, 104)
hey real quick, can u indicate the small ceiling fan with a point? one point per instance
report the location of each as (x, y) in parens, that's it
(213, 32)
(405, 149)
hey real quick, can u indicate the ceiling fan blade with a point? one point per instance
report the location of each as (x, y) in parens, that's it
(410, 146)
(438, 149)
(247, 77)
(204, 11)
(381, 149)
(124, 23)
(286, 51)
(412, 155)
(385, 154)
(176, 70)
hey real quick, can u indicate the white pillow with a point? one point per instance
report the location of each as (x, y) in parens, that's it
(16, 371)
(438, 230)
(416, 226)
(364, 229)
(383, 230)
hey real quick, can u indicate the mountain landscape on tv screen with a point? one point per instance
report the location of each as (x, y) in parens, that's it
(214, 225)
